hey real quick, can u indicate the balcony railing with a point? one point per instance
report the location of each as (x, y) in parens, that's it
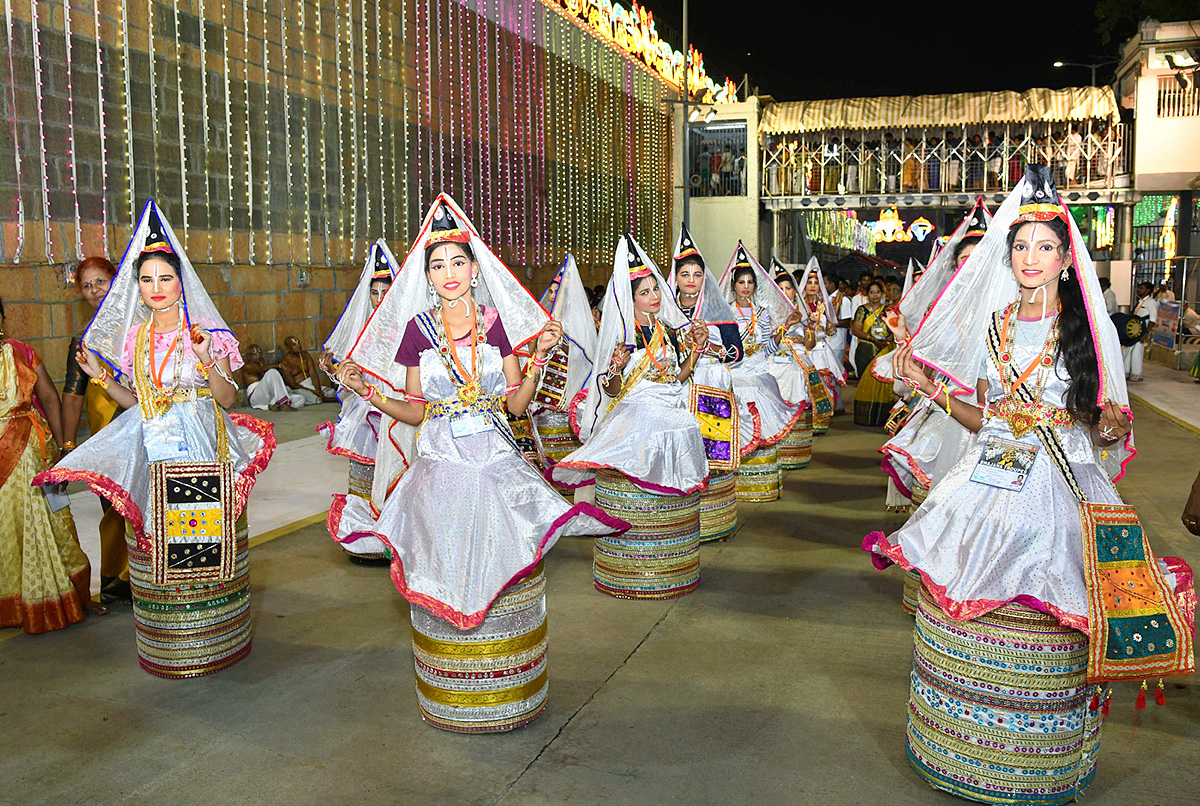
(1176, 101)
(969, 159)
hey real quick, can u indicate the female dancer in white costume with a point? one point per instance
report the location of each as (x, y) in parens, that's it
(1007, 614)
(355, 435)
(763, 314)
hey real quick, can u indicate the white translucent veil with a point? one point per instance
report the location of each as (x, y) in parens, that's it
(909, 273)
(711, 307)
(358, 309)
(766, 293)
(520, 314)
(814, 266)
(410, 294)
(572, 310)
(617, 327)
(123, 312)
(952, 337)
(918, 298)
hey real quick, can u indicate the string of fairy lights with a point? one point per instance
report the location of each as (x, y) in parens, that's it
(12, 89)
(553, 138)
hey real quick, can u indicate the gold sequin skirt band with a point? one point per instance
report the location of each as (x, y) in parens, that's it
(491, 678)
(795, 449)
(659, 557)
(758, 475)
(191, 630)
(718, 507)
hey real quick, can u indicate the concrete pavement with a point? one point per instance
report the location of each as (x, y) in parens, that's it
(783, 680)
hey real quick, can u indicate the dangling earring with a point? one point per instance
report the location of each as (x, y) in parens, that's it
(1064, 277)
(474, 280)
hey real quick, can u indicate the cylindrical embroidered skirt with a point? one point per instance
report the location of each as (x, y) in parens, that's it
(919, 493)
(795, 449)
(659, 557)
(718, 507)
(361, 477)
(191, 630)
(491, 678)
(758, 475)
(999, 710)
(557, 438)
(912, 591)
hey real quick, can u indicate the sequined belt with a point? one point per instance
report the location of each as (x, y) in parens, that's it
(665, 376)
(162, 399)
(1023, 417)
(450, 407)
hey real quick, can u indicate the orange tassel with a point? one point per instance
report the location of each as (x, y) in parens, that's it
(1095, 704)
(1107, 700)
(1160, 696)
(1141, 697)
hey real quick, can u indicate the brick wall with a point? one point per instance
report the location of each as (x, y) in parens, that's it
(287, 136)
(263, 305)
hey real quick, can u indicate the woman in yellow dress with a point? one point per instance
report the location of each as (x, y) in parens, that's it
(44, 574)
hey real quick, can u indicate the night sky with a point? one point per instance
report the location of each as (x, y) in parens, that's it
(804, 50)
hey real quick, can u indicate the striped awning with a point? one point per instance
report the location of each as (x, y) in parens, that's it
(916, 111)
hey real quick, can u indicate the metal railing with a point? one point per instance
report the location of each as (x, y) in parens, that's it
(1175, 101)
(962, 159)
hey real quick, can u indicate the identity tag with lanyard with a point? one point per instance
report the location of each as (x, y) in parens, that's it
(1005, 463)
(164, 437)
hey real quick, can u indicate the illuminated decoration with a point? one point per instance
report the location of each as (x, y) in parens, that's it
(1168, 240)
(1150, 209)
(633, 31)
(12, 89)
(554, 132)
(183, 183)
(71, 134)
(889, 228)
(1104, 231)
(287, 128)
(268, 218)
(248, 155)
(37, 63)
(920, 229)
(836, 228)
(228, 139)
(320, 91)
(204, 128)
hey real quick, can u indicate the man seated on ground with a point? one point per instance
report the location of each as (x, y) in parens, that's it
(300, 373)
(264, 384)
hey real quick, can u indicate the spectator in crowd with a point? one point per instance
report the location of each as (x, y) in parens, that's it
(1110, 296)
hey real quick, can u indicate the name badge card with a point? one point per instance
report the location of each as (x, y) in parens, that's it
(465, 425)
(164, 438)
(1005, 463)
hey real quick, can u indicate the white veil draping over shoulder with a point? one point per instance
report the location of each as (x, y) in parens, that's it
(712, 308)
(924, 290)
(617, 326)
(766, 293)
(122, 311)
(572, 310)
(410, 294)
(814, 267)
(358, 309)
(952, 337)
